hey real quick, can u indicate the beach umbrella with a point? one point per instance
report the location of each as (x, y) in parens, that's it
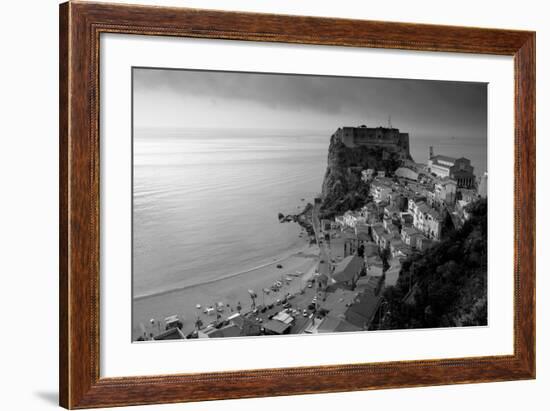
(253, 298)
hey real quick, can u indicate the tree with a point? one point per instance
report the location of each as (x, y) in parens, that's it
(449, 280)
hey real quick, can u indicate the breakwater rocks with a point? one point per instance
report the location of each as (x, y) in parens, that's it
(304, 219)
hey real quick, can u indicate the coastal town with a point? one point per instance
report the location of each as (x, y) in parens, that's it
(407, 209)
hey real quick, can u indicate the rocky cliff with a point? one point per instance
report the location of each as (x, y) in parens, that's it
(342, 186)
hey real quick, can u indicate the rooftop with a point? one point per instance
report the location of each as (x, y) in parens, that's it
(362, 313)
(424, 208)
(378, 228)
(368, 285)
(338, 300)
(347, 269)
(409, 230)
(333, 324)
(443, 158)
(276, 327)
(230, 330)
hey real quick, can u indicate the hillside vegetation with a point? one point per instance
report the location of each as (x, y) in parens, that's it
(447, 285)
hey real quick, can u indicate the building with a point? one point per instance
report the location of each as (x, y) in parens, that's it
(347, 271)
(400, 249)
(405, 172)
(426, 219)
(371, 249)
(406, 219)
(467, 195)
(370, 212)
(430, 199)
(396, 246)
(375, 266)
(247, 325)
(392, 275)
(390, 139)
(380, 191)
(170, 334)
(367, 175)
(423, 243)
(329, 324)
(361, 314)
(227, 330)
(391, 211)
(279, 324)
(398, 200)
(363, 230)
(377, 230)
(409, 235)
(326, 225)
(275, 327)
(234, 326)
(459, 169)
(393, 230)
(340, 220)
(385, 241)
(445, 192)
(363, 239)
(351, 218)
(369, 285)
(482, 186)
(387, 223)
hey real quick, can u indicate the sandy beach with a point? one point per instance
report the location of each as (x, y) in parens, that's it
(230, 291)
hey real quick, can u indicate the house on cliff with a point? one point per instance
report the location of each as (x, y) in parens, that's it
(458, 169)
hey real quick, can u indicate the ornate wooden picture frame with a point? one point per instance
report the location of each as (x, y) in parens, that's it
(81, 25)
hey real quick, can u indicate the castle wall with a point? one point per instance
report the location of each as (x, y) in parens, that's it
(388, 138)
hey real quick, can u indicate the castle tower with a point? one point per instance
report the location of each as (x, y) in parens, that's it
(431, 151)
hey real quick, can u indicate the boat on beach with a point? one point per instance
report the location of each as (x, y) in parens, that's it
(173, 321)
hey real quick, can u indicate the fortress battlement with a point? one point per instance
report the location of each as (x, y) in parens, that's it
(390, 139)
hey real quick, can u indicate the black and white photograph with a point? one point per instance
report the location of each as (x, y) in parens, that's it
(247, 205)
(267, 204)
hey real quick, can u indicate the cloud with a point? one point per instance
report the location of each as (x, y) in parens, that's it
(431, 106)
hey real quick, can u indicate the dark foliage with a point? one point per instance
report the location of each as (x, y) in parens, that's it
(342, 186)
(447, 285)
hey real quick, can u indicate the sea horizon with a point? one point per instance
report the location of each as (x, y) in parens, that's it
(206, 200)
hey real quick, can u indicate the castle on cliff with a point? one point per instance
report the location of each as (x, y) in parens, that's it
(377, 137)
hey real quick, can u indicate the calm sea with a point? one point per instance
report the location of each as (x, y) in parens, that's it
(206, 202)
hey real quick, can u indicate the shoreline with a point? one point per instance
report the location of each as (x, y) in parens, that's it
(183, 301)
(276, 260)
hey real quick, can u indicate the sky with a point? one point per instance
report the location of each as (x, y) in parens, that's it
(172, 98)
